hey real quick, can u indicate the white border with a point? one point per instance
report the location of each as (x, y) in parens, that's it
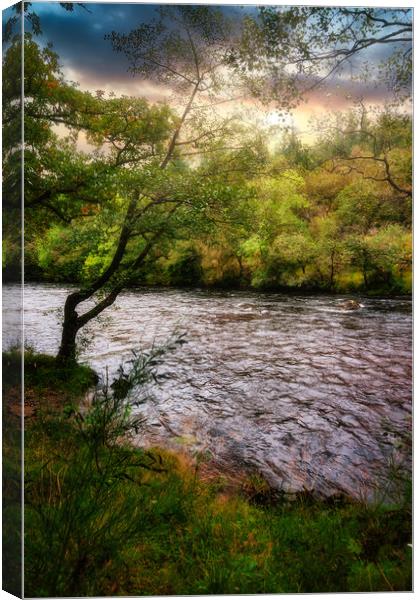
(355, 3)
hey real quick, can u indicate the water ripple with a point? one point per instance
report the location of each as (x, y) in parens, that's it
(292, 386)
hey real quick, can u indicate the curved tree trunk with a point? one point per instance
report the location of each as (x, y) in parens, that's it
(71, 325)
(67, 351)
(72, 321)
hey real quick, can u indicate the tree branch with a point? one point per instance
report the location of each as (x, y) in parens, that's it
(172, 144)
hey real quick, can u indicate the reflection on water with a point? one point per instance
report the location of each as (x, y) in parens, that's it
(292, 386)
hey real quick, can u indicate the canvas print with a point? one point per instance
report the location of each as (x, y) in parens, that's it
(207, 247)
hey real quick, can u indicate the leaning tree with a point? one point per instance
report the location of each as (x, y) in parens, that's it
(188, 50)
(147, 175)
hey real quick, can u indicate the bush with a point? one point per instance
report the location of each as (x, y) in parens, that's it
(186, 270)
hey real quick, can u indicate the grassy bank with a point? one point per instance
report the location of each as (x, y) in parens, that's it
(120, 520)
(47, 389)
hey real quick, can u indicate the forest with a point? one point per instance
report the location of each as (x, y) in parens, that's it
(290, 250)
(221, 200)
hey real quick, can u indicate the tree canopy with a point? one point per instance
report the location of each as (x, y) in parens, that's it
(311, 44)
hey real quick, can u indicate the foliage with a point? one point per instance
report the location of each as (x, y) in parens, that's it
(294, 217)
(80, 474)
(187, 268)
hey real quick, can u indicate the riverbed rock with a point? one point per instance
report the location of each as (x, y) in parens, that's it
(350, 305)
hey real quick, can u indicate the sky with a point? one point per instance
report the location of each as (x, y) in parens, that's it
(87, 58)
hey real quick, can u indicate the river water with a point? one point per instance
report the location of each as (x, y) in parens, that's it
(296, 388)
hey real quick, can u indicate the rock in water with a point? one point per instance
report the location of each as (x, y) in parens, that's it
(350, 305)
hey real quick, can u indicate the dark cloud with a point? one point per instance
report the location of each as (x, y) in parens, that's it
(340, 92)
(78, 38)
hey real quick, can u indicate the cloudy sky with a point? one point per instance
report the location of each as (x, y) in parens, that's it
(87, 58)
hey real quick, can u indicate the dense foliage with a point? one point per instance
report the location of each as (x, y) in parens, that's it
(335, 215)
(336, 225)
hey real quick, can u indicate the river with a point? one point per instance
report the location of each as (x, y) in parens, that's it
(307, 394)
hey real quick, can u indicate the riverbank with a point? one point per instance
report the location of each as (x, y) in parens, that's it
(128, 521)
(401, 291)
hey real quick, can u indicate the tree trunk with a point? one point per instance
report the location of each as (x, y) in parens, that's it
(239, 260)
(71, 325)
(332, 270)
(67, 351)
(365, 276)
(365, 268)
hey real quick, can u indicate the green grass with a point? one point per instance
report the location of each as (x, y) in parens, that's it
(119, 520)
(43, 373)
(45, 383)
(169, 533)
(11, 478)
